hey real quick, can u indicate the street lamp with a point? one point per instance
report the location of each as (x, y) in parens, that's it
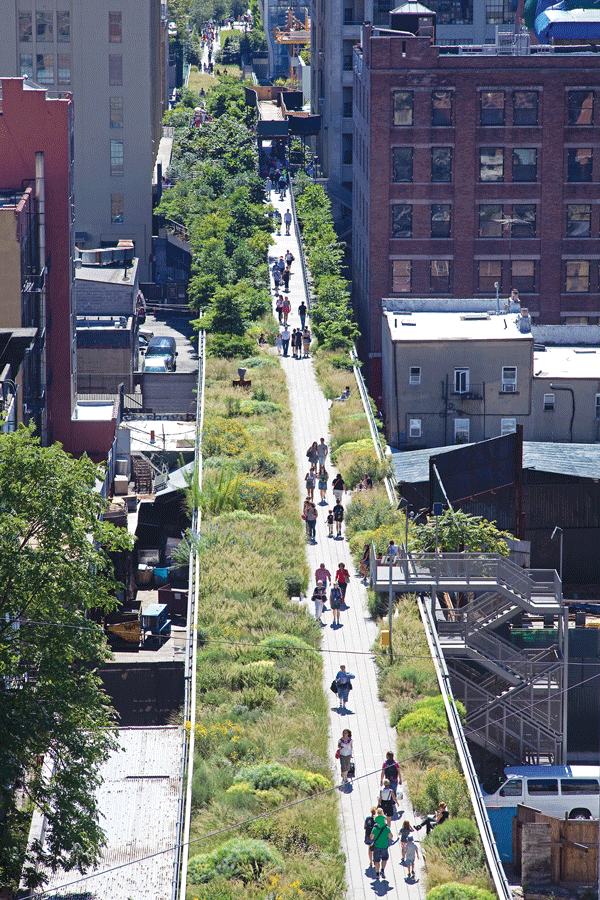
(559, 532)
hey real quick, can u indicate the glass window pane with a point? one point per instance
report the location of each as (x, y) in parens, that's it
(579, 786)
(522, 223)
(402, 164)
(25, 27)
(577, 276)
(26, 65)
(440, 220)
(43, 26)
(491, 164)
(63, 27)
(441, 164)
(580, 107)
(490, 272)
(579, 164)
(490, 220)
(524, 163)
(441, 108)
(525, 108)
(116, 209)
(115, 70)
(523, 275)
(116, 157)
(403, 107)
(115, 30)
(579, 220)
(401, 220)
(439, 277)
(116, 112)
(542, 786)
(401, 276)
(64, 68)
(512, 789)
(45, 68)
(492, 107)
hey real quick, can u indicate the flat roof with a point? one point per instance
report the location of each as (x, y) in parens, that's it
(567, 362)
(108, 274)
(94, 410)
(453, 326)
(169, 434)
(138, 810)
(105, 322)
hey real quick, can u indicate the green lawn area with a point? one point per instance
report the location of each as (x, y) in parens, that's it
(199, 80)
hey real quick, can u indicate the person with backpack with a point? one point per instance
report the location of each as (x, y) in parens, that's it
(338, 516)
(335, 602)
(381, 835)
(387, 801)
(391, 770)
(302, 310)
(369, 826)
(287, 218)
(344, 686)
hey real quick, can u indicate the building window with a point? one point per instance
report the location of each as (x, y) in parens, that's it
(522, 272)
(116, 112)
(461, 431)
(25, 27)
(402, 164)
(491, 164)
(348, 55)
(44, 68)
(440, 220)
(64, 68)
(509, 379)
(490, 220)
(116, 157)
(580, 106)
(597, 405)
(507, 426)
(347, 102)
(577, 278)
(414, 375)
(115, 70)
(347, 149)
(403, 107)
(548, 402)
(491, 108)
(499, 12)
(43, 27)
(441, 164)
(525, 108)
(441, 108)
(26, 65)
(579, 216)
(63, 27)
(439, 275)
(401, 276)
(579, 164)
(116, 209)
(401, 220)
(414, 428)
(524, 164)
(522, 221)
(489, 272)
(115, 27)
(461, 381)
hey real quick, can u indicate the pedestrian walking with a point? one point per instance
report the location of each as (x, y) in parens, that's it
(323, 478)
(382, 835)
(305, 341)
(293, 343)
(282, 187)
(369, 826)
(268, 187)
(281, 264)
(343, 680)
(319, 597)
(335, 602)
(365, 562)
(338, 517)
(405, 830)
(287, 308)
(278, 343)
(342, 578)
(410, 852)
(285, 277)
(344, 753)
(287, 219)
(309, 480)
(311, 519)
(339, 487)
(302, 314)
(285, 337)
(322, 451)
(289, 259)
(391, 770)
(279, 308)
(387, 801)
(277, 221)
(323, 574)
(330, 521)
(305, 507)
(276, 278)
(313, 454)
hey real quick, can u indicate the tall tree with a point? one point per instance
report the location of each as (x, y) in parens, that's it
(54, 568)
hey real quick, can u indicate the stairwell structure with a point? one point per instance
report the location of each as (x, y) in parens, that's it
(514, 696)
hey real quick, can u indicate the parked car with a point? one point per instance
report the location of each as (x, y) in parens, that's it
(155, 364)
(162, 347)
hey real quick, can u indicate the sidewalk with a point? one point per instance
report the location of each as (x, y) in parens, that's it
(365, 716)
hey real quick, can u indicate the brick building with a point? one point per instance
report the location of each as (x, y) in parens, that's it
(475, 166)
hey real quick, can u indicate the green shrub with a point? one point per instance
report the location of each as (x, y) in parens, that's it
(455, 891)
(457, 842)
(447, 785)
(222, 437)
(229, 346)
(257, 496)
(242, 858)
(368, 511)
(428, 716)
(274, 775)
(261, 697)
(293, 584)
(377, 604)
(461, 831)
(353, 460)
(282, 646)
(342, 361)
(259, 362)
(258, 407)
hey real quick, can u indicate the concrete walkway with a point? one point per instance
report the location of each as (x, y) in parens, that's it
(351, 644)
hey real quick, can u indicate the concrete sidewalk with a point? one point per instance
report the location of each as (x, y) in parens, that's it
(350, 644)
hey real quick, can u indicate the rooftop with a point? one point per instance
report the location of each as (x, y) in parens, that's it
(115, 274)
(453, 326)
(95, 410)
(567, 362)
(120, 323)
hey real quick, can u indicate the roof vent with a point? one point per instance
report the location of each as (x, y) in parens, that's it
(474, 317)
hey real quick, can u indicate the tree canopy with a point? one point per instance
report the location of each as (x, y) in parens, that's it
(54, 568)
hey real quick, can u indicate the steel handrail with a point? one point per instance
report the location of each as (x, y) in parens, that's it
(366, 402)
(303, 265)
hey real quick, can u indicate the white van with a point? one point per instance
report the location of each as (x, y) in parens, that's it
(572, 791)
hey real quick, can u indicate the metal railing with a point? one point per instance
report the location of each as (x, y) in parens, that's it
(303, 266)
(366, 402)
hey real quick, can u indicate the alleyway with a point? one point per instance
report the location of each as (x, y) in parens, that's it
(350, 645)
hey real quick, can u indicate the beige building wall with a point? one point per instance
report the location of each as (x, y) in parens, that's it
(10, 271)
(558, 415)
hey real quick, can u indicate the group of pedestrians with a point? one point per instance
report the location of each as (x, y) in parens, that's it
(282, 272)
(277, 181)
(337, 594)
